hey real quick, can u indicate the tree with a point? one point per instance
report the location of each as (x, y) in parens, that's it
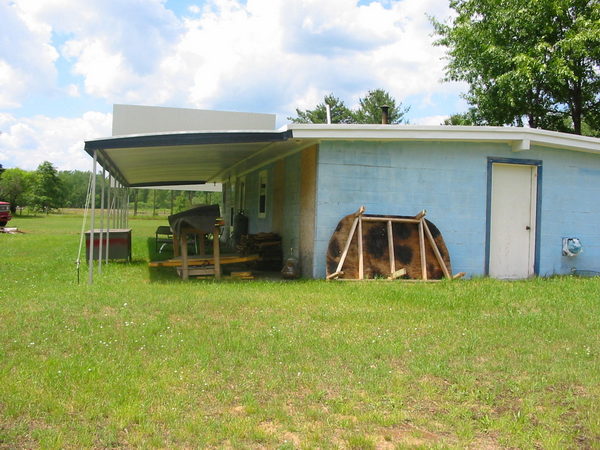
(74, 186)
(370, 108)
(533, 62)
(14, 185)
(46, 188)
(468, 118)
(339, 112)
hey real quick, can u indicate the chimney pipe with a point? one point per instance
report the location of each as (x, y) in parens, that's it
(385, 110)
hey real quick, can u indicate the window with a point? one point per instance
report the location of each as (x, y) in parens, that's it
(262, 194)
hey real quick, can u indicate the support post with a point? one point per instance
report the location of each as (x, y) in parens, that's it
(216, 252)
(126, 207)
(92, 222)
(100, 245)
(361, 269)
(391, 248)
(422, 249)
(185, 270)
(108, 217)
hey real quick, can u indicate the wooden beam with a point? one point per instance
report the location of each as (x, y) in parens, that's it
(397, 274)
(203, 260)
(361, 269)
(185, 273)
(422, 249)
(421, 214)
(391, 247)
(216, 252)
(334, 275)
(391, 219)
(436, 250)
(347, 246)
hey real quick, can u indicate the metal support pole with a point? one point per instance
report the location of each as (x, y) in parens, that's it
(92, 222)
(122, 207)
(100, 246)
(117, 200)
(126, 208)
(108, 217)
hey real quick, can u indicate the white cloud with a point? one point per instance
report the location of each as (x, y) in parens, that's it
(231, 53)
(254, 55)
(26, 142)
(26, 58)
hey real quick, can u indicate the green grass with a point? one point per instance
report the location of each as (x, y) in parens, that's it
(141, 359)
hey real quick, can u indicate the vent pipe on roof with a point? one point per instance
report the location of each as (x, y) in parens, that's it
(385, 111)
(328, 110)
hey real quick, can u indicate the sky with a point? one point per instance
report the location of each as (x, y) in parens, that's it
(64, 63)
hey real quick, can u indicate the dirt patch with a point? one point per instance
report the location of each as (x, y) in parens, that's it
(274, 429)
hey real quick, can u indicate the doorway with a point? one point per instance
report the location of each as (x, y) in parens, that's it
(513, 218)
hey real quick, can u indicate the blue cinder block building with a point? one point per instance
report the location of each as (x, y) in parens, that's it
(504, 198)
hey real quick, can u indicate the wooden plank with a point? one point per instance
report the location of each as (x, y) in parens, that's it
(241, 274)
(436, 250)
(361, 269)
(198, 271)
(397, 274)
(391, 247)
(360, 211)
(399, 280)
(185, 274)
(422, 249)
(421, 214)
(391, 219)
(201, 260)
(176, 251)
(459, 275)
(334, 275)
(347, 246)
(216, 252)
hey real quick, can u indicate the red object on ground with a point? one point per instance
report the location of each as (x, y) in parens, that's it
(4, 213)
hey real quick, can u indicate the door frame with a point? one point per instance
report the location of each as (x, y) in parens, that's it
(538, 207)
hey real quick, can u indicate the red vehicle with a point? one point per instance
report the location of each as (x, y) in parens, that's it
(4, 213)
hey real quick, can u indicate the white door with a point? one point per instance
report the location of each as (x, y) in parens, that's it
(512, 224)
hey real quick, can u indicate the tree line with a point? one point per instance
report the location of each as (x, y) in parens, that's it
(368, 111)
(47, 189)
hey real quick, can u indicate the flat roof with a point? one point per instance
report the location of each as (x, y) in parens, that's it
(197, 157)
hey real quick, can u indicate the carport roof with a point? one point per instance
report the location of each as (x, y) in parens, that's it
(183, 158)
(187, 157)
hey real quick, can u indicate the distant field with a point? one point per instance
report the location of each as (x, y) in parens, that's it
(141, 359)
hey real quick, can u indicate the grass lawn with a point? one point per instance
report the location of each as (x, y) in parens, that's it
(141, 359)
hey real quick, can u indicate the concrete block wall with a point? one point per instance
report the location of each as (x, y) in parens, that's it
(449, 180)
(291, 203)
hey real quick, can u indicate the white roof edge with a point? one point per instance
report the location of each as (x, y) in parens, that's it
(169, 133)
(447, 133)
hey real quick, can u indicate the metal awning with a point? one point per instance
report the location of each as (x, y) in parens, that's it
(188, 157)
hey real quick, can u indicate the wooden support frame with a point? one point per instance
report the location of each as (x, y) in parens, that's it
(424, 233)
(180, 248)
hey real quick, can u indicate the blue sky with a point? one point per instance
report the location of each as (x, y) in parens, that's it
(64, 63)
